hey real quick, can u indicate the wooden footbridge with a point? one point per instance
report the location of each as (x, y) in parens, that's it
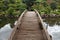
(29, 27)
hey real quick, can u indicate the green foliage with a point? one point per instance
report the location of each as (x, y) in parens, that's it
(3, 7)
(29, 3)
(16, 7)
(53, 6)
(44, 8)
(9, 7)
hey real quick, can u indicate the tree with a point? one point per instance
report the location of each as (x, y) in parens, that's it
(29, 3)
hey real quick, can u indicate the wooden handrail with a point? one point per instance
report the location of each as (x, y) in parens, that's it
(44, 29)
(17, 25)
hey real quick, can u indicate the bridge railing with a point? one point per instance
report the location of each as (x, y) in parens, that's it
(46, 35)
(17, 25)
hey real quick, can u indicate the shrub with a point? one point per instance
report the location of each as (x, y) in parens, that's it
(29, 3)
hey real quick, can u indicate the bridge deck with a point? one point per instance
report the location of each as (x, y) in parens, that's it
(29, 28)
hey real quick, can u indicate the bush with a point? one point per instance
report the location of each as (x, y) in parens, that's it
(9, 6)
(29, 3)
(53, 6)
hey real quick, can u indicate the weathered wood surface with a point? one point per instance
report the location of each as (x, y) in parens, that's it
(29, 27)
